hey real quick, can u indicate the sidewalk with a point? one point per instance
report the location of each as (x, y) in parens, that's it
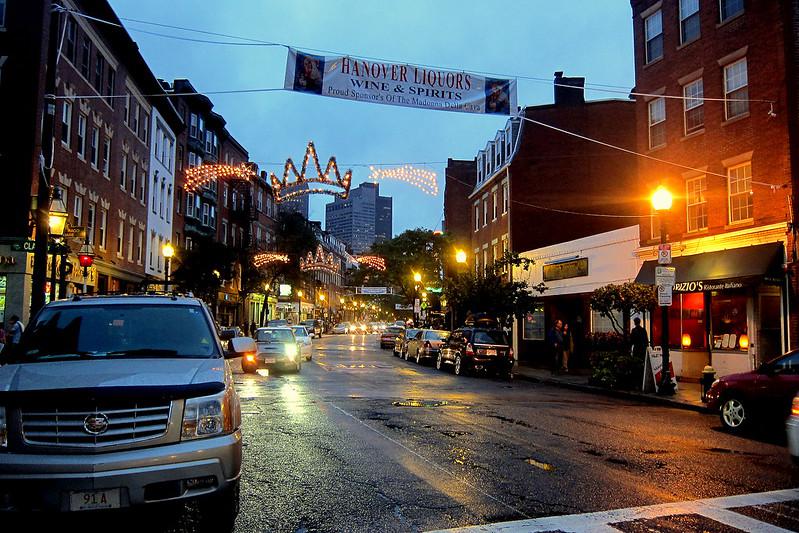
(687, 396)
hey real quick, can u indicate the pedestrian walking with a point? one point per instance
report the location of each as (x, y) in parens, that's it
(252, 329)
(568, 348)
(14, 334)
(639, 339)
(555, 343)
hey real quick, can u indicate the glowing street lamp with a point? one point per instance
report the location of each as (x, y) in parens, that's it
(169, 251)
(460, 257)
(417, 277)
(661, 199)
(58, 215)
(661, 203)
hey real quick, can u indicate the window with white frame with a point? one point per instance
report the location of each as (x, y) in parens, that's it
(740, 191)
(77, 210)
(131, 231)
(190, 204)
(224, 232)
(154, 190)
(504, 251)
(66, 123)
(162, 199)
(489, 158)
(123, 173)
(736, 89)
(107, 157)
(95, 148)
(730, 8)
(212, 215)
(168, 202)
(103, 227)
(480, 167)
(477, 216)
(477, 260)
(134, 172)
(485, 211)
(498, 151)
(139, 246)
(657, 122)
(206, 220)
(90, 222)
(689, 20)
(145, 128)
(160, 261)
(151, 255)
(81, 146)
(494, 203)
(134, 118)
(142, 186)
(653, 36)
(193, 126)
(485, 259)
(120, 235)
(508, 141)
(126, 111)
(696, 203)
(505, 198)
(693, 105)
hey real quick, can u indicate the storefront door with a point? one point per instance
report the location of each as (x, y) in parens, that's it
(769, 328)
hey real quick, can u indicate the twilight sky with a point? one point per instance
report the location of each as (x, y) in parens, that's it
(514, 37)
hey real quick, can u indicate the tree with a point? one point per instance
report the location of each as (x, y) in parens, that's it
(627, 298)
(202, 269)
(417, 250)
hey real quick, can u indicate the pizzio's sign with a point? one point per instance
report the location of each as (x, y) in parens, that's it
(699, 286)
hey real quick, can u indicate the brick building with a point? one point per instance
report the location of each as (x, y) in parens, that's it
(732, 66)
(459, 179)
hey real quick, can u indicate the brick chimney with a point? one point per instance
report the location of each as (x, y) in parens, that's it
(569, 91)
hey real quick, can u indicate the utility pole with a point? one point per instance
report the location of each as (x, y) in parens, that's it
(44, 194)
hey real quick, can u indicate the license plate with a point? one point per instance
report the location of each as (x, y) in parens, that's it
(491, 352)
(95, 499)
(269, 360)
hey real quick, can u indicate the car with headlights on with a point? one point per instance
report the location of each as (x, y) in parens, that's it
(389, 337)
(341, 328)
(304, 341)
(762, 395)
(276, 349)
(112, 402)
(426, 345)
(314, 327)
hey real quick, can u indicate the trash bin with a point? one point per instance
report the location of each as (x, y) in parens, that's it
(708, 377)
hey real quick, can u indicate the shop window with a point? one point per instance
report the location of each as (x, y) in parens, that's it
(692, 332)
(728, 314)
(603, 324)
(534, 329)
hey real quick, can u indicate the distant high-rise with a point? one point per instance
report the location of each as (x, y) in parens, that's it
(299, 204)
(362, 219)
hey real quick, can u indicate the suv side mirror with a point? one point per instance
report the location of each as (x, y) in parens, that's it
(240, 346)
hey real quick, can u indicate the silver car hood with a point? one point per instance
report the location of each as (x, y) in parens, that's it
(111, 373)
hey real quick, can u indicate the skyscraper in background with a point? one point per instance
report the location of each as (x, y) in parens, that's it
(299, 204)
(362, 219)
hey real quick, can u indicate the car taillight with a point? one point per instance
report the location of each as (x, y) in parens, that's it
(795, 407)
(469, 349)
(510, 353)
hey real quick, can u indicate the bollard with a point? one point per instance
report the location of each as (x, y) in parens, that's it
(708, 377)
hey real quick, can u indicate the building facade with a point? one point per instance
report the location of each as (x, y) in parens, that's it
(459, 180)
(718, 85)
(362, 219)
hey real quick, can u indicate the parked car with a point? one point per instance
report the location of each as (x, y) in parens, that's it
(304, 340)
(134, 406)
(759, 395)
(477, 349)
(342, 327)
(314, 327)
(426, 344)
(792, 427)
(389, 336)
(277, 348)
(401, 346)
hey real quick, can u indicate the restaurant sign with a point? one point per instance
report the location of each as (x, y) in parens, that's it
(699, 286)
(568, 269)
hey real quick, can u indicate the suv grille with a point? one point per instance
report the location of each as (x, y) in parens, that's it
(95, 426)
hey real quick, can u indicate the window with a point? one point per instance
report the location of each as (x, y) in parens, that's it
(477, 261)
(193, 126)
(133, 173)
(168, 202)
(260, 203)
(70, 35)
(66, 122)
(106, 156)
(730, 8)
(180, 158)
(120, 235)
(194, 160)
(653, 35)
(142, 186)
(210, 142)
(99, 71)
(81, 136)
(110, 86)
(494, 203)
(689, 20)
(736, 89)
(505, 198)
(151, 255)
(189, 243)
(90, 219)
(205, 219)
(123, 171)
(145, 128)
(508, 142)
(487, 160)
(233, 235)
(213, 217)
(95, 148)
(740, 187)
(485, 258)
(657, 123)
(127, 108)
(728, 319)
(498, 151)
(134, 119)
(162, 199)
(190, 204)
(154, 189)
(224, 232)
(103, 228)
(85, 57)
(696, 203)
(534, 329)
(131, 231)
(693, 106)
(485, 211)
(77, 210)
(139, 244)
(477, 216)
(480, 167)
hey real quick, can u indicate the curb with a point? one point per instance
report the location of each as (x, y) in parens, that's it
(645, 398)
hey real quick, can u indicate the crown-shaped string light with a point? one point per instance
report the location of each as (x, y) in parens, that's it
(372, 261)
(424, 180)
(285, 189)
(266, 258)
(320, 261)
(199, 176)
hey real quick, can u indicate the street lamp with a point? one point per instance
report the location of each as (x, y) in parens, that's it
(661, 203)
(168, 250)
(460, 257)
(58, 215)
(299, 306)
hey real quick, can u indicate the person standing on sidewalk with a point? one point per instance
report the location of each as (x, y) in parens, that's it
(555, 343)
(639, 339)
(568, 348)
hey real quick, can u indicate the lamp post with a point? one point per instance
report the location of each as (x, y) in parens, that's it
(57, 224)
(417, 280)
(661, 202)
(168, 250)
(299, 306)
(460, 262)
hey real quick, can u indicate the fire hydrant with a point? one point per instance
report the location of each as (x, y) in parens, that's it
(708, 377)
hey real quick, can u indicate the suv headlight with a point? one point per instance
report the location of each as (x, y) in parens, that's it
(3, 428)
(209, 416)
(291, 351)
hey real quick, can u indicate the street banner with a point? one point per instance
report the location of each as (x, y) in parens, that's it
(405, 85)
(372, 290)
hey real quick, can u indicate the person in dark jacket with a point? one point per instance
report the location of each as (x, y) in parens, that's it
(639, 339)
(555, 343)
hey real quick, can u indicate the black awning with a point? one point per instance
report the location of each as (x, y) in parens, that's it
(752, 264)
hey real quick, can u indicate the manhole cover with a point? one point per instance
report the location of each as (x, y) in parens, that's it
(420, 403)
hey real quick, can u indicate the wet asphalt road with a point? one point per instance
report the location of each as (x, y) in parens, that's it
(339, 448)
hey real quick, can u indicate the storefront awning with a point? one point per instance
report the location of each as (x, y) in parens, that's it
(750, 264)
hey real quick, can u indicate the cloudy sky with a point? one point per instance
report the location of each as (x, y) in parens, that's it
(535, 38)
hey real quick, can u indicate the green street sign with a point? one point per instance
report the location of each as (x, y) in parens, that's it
(25, 246)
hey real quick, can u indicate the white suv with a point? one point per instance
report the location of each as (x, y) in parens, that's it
(119, 401)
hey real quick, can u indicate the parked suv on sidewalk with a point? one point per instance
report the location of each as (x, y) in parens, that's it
(114, 402)
(477, 349)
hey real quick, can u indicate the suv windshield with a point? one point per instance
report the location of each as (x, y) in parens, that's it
(118, 331)
(300, 331)
(489, 337)
(274, 335)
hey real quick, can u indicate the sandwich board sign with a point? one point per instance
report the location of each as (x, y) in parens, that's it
(653, 370)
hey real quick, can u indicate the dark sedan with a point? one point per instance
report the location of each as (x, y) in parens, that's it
(742, 399)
